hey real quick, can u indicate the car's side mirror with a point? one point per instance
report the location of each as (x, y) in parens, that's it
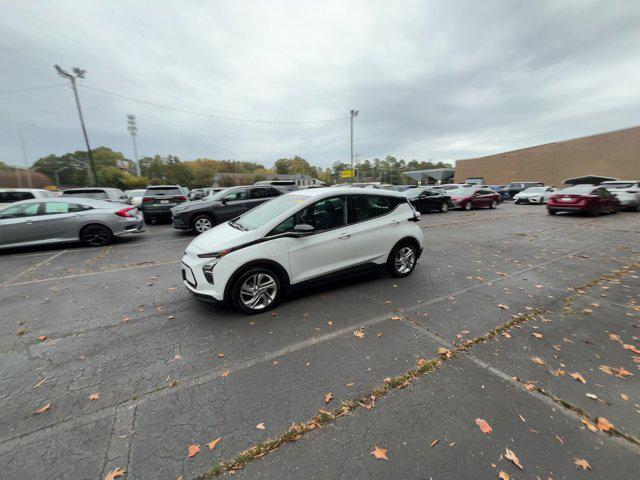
(223, 201)
(303, 230)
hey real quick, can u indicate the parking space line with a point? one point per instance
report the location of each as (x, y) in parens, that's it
(66, 277)
(31, 268)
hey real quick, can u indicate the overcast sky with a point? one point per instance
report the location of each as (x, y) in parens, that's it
(438, 80)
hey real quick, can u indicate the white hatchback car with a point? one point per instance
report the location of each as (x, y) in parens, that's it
(301, 238)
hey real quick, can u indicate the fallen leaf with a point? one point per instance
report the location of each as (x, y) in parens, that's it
(626, 346)
(380, 453)
(586, 422)
(94, 396)
(330, 323)
(591, 396)
(193, 450)
(359, 333)
(260, 426)
(395, 317)
(604, 425)
(44, 408)
(509, 455)
(616, 372)
(484, 426)
(503, 306)
(506, 334)
(623, 396)
(581, 462)
(225, 373)
(538, 361)
(212, 444)
(614, 337)
(328, 397)
(220, 355)
(434, 443)
(445, 352)
(42, 338)
(587, 311)
(503, 475)
(558, 373)
(578, 377)
(118, 472)
(537, 335)
(44, 380)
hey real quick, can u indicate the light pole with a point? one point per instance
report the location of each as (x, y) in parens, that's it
(133, 130)
(26, 160)
(354, 113)
(79, 73)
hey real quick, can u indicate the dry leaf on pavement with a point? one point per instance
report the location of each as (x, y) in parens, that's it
(42, 338)
(379, 453)
(578, 377)
(435, 442)
(604, 425)
(118, 472)
(94, 396)
(484, 426)
(328, 397)
(212, 444)
(537, 335)
(581, 462)
(44, 408)
(626, 346)
(616, 372)
(509, 455)
(225, 373)
(538, 361)
(586, 422)
(260, 426)
(503, 475)
(193, 450)
(359, 333)
(445, 352)
(503, 306)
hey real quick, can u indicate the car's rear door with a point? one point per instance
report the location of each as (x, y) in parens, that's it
(61, 220)
(259, 195)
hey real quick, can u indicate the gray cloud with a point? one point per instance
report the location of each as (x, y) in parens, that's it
(441, 79)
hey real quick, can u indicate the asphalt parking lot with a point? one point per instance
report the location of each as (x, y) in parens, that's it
(526, 321)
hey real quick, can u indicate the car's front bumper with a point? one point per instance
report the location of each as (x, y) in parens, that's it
(180, 222)
(194, 279)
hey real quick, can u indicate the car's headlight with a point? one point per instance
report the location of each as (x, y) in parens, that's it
(207, 270)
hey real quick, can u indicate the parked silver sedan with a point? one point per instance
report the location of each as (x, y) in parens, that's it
(52, 220)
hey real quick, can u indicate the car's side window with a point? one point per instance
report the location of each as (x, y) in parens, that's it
(371, 206)
(273, 192)
(51, 208)
(19, 211)
(260, 192)
(240, 194)
(285, 226)
(326, 214)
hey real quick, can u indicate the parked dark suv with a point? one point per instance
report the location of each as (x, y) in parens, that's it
(158, 201)
(229, 203)
(516, 187)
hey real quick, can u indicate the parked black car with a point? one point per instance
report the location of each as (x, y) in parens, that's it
(158, 201)
(425, 199)
(229, 203)
(516, 187)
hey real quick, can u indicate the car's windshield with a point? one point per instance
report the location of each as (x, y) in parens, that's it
(618, 185)
(414, 192)
(134, 193)
(534, 190)
(462, 191)
(266, 212)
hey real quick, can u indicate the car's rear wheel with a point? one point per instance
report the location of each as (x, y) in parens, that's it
(402, 260)
(595, 211)
(96, 235)
(147, 219)
(202, 223)
(444, 207)
(468, 206)
(257, 290)
(494, 204)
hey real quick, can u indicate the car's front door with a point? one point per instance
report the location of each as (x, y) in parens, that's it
(18, 223)
(484, 197)
(327, 250)
(234, 203)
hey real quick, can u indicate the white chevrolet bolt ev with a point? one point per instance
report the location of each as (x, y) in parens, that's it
(298, 239)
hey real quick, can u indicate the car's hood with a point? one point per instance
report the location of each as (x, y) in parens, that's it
(530, 194)
(220, 237)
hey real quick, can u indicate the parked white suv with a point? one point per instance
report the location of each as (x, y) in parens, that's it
(627, 191)
(298, 239)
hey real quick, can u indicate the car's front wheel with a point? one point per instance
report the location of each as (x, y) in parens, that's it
(494, 204)
(96, 235)
(202, 223)
(468, 206)
(402, 260)
(257, 290)
(444, 207)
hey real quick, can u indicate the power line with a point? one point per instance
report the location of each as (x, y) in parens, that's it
(219, 117)
(33, 88)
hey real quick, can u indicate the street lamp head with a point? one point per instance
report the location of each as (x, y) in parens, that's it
(61, 71)
(79, 72)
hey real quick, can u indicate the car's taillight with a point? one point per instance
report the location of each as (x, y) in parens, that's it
(182, 198)
(125, 212)
(147, 199)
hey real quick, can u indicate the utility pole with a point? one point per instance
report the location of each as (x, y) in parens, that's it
(26, 161)
(79, 73)
(354, 113)
(133, 130)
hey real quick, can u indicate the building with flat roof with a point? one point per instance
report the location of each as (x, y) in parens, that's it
(613, 154)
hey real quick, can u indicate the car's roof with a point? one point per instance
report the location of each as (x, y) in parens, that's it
(82, 201)
(23, 190)
(318, 192)
(88, 189)
(620, 181)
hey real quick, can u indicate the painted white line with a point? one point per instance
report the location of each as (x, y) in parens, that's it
(33, 267)
(65, 277)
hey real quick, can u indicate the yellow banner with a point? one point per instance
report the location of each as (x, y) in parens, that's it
(346, 174)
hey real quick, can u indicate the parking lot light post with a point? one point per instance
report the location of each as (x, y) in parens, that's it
(133, 130)
(79, 73)
(354, 113)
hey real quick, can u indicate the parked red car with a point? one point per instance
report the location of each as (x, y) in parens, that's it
(583, 198)
(467, 198)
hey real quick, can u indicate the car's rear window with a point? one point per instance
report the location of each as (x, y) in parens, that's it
(95, 194)
(10, 197)
(578, 190)
(618, 185)
(151, 191)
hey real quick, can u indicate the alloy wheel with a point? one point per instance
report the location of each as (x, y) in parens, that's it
(202, 224)
(444, 207)
(96, 235)
(468, 206)
(258, 291)
(405, 260)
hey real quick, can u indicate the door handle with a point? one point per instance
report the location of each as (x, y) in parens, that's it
(344, 236)
(395, 222)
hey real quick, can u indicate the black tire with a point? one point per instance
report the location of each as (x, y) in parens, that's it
(147, 219)
(494, 204)
(551, 211)
(467, 206)
(96, 235)
(444, 207)
(251, 276)
(595, 211)
(402, 269)
(202, 223)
